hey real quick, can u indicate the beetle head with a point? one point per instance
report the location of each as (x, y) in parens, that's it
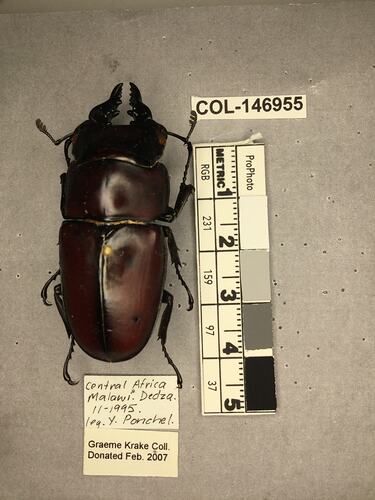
(153, 132)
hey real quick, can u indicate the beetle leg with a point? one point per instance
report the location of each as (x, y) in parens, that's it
(66, 150)
(61, 308)
(43, 292)
(183, 195)
(185, 189)
(184, 192)
(163, 328)
(66, 375)
(175, 258)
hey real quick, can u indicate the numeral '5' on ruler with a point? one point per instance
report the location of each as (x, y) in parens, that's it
(237, 366)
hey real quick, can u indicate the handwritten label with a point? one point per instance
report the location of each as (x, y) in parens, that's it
(131, 402)
(249, 107)
(118, 452)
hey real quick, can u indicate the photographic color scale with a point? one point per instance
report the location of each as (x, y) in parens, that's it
(237, 364)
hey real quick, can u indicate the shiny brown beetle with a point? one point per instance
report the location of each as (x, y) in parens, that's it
(112, 243)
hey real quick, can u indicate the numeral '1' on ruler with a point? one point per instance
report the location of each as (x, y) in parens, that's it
(237, 366)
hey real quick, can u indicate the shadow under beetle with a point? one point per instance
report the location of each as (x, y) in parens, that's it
(114, 237)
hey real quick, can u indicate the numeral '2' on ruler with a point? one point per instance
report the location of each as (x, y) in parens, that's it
(237, 365)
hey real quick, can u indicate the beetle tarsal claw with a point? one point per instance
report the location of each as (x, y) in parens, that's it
(170, 361)
(45, 302)
(44, 290)
(70, 381)
(191, 302)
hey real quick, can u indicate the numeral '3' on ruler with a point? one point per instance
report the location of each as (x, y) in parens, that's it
(237, 365)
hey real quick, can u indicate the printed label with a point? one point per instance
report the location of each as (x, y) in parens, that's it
(118, 452)
(251, 170)
(249, 107)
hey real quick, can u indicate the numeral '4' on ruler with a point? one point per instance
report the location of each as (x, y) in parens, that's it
(237, 366)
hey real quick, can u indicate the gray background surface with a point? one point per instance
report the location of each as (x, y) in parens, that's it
(320, 444)
(10, 6)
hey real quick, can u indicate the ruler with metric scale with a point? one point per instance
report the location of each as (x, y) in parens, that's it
(237, 365)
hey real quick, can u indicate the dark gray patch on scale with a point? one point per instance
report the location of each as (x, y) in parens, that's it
(257, 326)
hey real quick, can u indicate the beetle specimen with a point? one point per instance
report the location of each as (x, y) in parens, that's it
(114, 237)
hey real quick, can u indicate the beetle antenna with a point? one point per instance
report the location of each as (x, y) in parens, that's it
(193, 122)
(40, 126)
(66, 375)
(185, 140)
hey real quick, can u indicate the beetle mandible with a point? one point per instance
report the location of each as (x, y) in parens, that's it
(114, 237)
